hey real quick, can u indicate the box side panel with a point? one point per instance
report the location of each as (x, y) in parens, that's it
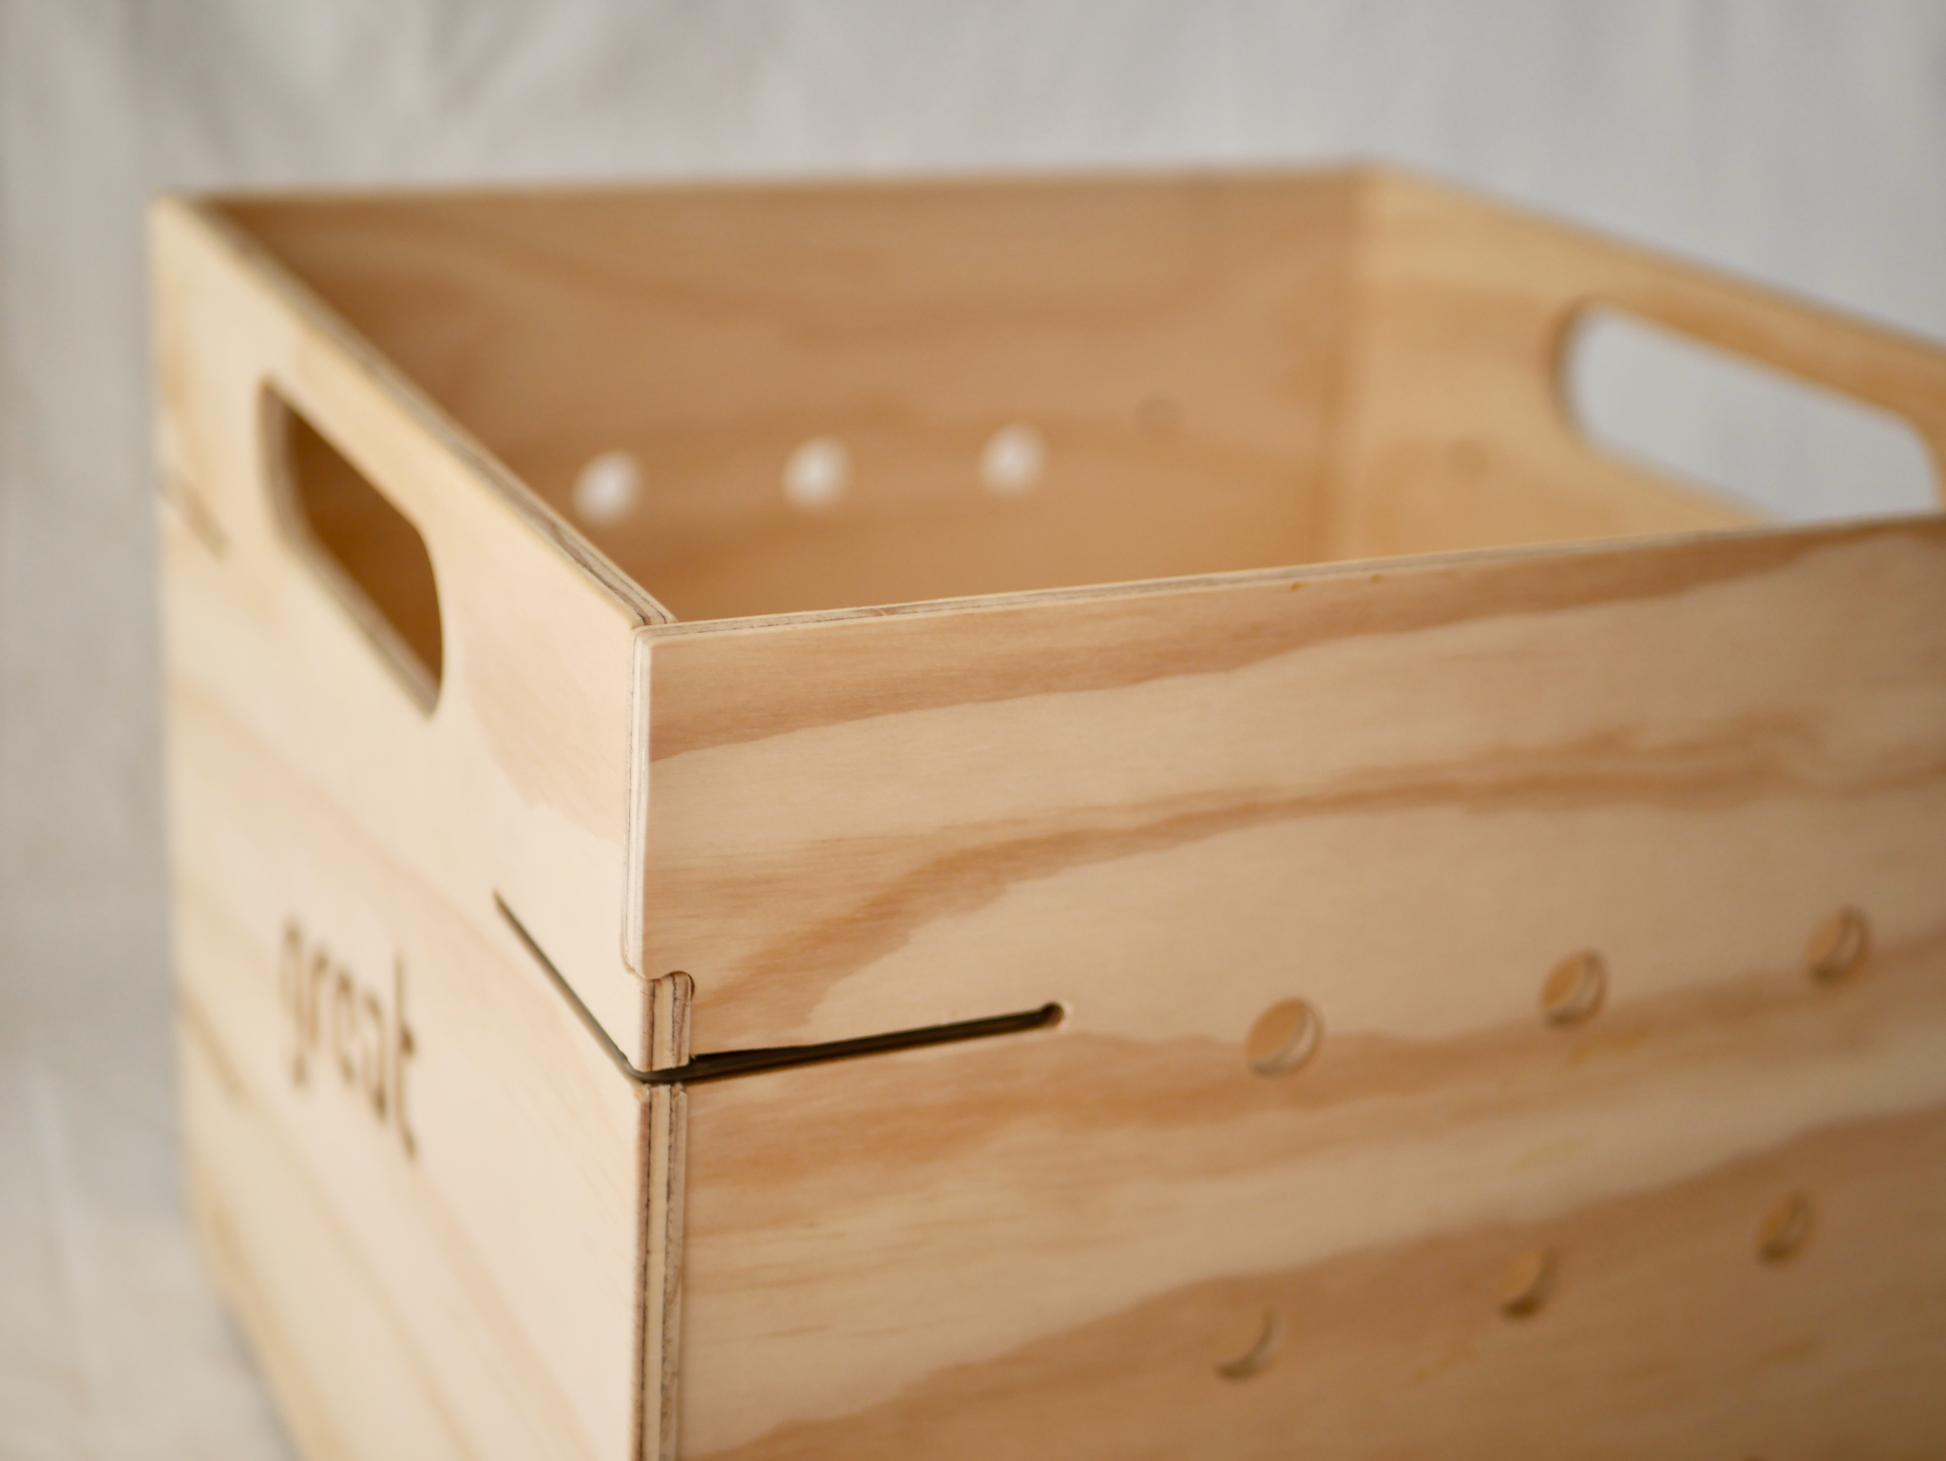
(417, 1173)
(1161, 355)
(1406, 796)
(1457, 430)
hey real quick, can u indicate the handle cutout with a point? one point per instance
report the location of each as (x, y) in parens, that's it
(1723, 422)
(367, 552)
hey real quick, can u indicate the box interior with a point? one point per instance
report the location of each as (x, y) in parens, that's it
(773, 400)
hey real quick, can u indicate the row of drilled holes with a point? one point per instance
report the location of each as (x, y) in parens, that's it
(816, 475)
(1287, 1035)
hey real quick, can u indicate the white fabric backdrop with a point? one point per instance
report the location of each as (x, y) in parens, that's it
(1802, 143)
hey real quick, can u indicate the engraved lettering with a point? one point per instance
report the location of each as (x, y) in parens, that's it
(336, 1021)
(343, 1006)
(290, 988)
(313, 998)
(371, 1055)
(402, 1047)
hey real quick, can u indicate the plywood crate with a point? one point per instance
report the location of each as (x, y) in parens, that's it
(1480, 994)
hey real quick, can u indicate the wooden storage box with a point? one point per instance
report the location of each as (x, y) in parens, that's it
(1480, 994)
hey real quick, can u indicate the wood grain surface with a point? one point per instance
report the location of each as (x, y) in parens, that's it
(1176, 347)
(446, 1258)
(1456, 431)
(1574, 846)
(1404, 795)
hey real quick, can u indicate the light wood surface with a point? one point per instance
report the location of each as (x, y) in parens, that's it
(1402, 794)
(479, 1238)
(1175, 346)
(1455, 430)
(1608, 873)
(1226, 373)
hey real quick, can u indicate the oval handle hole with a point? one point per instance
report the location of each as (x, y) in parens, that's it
(367, 552)
(1769, 440)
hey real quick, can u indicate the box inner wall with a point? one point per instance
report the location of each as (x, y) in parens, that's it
(1176, 364)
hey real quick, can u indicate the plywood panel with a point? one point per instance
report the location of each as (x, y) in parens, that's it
(933, 816)
(1456, 431)
(1173, 344)
(423, 1164)
(1662, 1332)
(1404, 793)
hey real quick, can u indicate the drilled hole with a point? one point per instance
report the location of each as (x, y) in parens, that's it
(1284, 1037)
(818, 474)
(1255, 1359)
(1786, 1228)
(1839, 946)
(1468, 457)
(1013, 459)
(1159, 415)
(607, 489)
(1528, 1282)
(1575, 989)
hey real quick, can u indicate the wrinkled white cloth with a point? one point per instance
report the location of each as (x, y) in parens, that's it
(1804, 144)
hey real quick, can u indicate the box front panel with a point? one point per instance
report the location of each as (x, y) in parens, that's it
(1613, 1120)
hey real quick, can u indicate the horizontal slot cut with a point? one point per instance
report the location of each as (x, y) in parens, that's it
(1799, 451)
(367, 551)
(722, 1064)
